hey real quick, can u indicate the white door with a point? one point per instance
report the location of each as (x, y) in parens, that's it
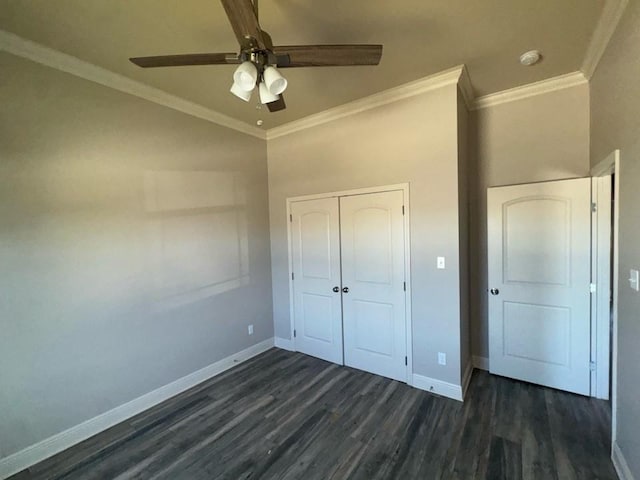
(316, 268)
(373, 276)
(539, 279)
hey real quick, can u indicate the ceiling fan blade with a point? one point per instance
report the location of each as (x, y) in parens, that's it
(327, 55)
(185, 60)
(244, 22)
(278, 105)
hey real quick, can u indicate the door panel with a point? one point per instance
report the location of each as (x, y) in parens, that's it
(539, 276)
(372, 243)
(316, 266)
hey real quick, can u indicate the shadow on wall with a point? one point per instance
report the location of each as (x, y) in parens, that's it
(198, 234)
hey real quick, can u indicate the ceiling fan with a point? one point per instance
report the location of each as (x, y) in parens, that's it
(258, 57)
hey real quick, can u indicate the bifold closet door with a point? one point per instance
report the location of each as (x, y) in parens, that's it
(317, 306)
(373, 276)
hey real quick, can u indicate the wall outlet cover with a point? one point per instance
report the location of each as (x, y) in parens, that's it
(634, 280)
(442, 358)
(250, 329)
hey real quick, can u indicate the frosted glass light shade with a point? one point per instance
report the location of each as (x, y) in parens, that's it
(240, 92)
(246, 76)
(265, 95)
(275, 82)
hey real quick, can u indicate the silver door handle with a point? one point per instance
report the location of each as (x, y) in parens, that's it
(495, 291)
(336, 289)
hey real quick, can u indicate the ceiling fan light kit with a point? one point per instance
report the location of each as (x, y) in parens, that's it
(246, 76)
(266, 96)
(240, 92)
(275, 82)
(258, 57)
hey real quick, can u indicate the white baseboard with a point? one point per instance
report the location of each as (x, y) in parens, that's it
(481, 363)
(466, 379)
(285, 344)
(50, 446)
(438, 387)
(620, 464)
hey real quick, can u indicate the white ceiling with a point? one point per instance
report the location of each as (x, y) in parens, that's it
(420, 37)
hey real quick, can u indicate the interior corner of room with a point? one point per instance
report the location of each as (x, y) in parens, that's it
(426, 246)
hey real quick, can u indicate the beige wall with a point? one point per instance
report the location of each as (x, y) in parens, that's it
(464, 198)
(615, 124)
(134, 245)
(545, 137)
(412, 140)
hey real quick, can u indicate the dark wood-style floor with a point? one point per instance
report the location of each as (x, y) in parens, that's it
(285, 415)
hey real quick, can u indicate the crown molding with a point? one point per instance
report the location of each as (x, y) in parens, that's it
(411, 89)
(531, 90)
(607, 24)
(35, 52)
(466, 88)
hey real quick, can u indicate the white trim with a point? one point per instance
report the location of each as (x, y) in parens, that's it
(63, 440)
(411, 89)
(466, 88)
(620, 464)
(35, 52)
(531, 90)
(292, 324)
(607, 24)
(407, 252)
(615, 156)
(604, 167)
(438, 387)
(285, 343)
(601, 277)
(481, 363)
(346, 193)
(466, 378)
(407, 278)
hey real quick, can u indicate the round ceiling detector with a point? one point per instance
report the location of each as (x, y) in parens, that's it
(530, 58)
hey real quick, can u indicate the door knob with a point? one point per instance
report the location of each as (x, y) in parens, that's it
(336, 289)
(345, 290)
(495, 291)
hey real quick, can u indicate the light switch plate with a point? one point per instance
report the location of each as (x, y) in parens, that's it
(440, 263)
(442, 358)
(634, 280)
(250, 329)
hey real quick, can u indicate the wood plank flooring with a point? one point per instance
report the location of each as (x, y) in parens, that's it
(285, 415)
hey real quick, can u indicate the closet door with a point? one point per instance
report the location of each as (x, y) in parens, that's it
(316, 267)
(373, 276)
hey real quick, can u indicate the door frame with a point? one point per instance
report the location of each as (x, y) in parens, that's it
(404, 187)
(611, 165)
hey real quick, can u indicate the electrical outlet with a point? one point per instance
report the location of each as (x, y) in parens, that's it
(634, 280)
(442, 358)
(440, 263)
(250, 329)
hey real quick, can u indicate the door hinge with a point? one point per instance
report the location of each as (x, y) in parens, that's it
(406, 361)
(294, 333)
(592, 287)
(403, 209)
(594, 207)
(592, 366)
(292, 276)
(405, 286)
